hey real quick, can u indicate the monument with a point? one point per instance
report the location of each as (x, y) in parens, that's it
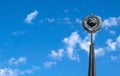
(92, 23)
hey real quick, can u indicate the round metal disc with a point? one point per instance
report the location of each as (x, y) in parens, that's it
(91, 23)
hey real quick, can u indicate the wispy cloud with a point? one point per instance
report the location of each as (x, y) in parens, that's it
(15, 72)
(50, 20)
(49, 64)
(69, 10)
(67, 20)
(76, 9)
(84, 44)
(75, 41)
(112, 32)
(57, 55)
(100, 52)
(31, 16)
(79, 21)
(64, 20)
(18, 32)
(113, 45)
(114, 57)
(71, 43)
(111, 21)
(14, 61)
(9, 70)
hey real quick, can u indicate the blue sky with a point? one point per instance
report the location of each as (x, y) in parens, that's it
(46, 38)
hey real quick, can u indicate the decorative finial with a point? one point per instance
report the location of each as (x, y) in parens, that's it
(91, 23)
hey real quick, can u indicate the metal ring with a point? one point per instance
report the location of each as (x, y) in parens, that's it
(91, 23)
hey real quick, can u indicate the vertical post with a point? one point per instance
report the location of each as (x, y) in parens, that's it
(91, 71)
(91, 37)
(92, 23)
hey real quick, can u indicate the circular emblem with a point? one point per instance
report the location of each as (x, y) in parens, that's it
(91, 23)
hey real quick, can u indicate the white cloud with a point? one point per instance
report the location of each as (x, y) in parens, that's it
(113, 45)
(49, 64)
(85, 43)
(67, 20)
(28, 71)
(78, 21)
(100, 52)
(112, 21)
(75, 40)
(18, 32)
(112, 32)
(50, 20)
(57, 55)
(13, 61)
(71, 43)
(31, 16)
(15, 72)
(72, 39)
(35, 67)
(114, 57)
(76, 9)
(8, 72)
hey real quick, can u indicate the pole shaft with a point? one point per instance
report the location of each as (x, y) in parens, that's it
(92, 68)
(91, 38)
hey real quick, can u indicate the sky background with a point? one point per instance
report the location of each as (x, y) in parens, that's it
(46, 37)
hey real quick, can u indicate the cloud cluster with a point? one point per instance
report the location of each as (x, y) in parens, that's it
(14, 70)
(49, 64)
(76, 41)
(57, 55)
(64, 20)
(31, 16)
(13, 61)
(79, 21)
(111, 21)
(20, 32)
(113, 45)
(71, 43)
(8, 72)
(50, 20)
(112, 32)
(115, 58)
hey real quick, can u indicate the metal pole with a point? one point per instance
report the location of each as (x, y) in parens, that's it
(92, 23)
(91, 37)
(91, 71)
